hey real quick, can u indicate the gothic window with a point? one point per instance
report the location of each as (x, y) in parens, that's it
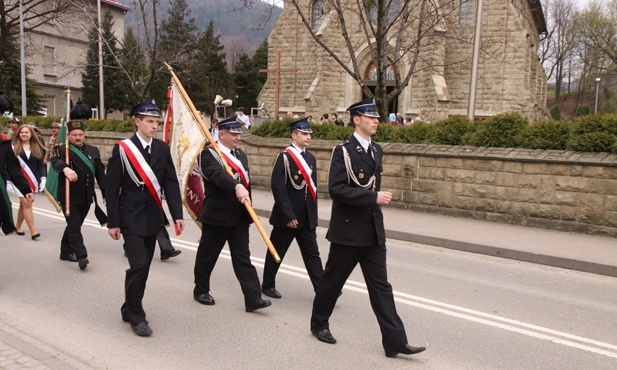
(371, 73)
(465, 11)
(393, 11)
(317, 14)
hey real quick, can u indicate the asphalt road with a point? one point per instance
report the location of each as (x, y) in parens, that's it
(471, 311)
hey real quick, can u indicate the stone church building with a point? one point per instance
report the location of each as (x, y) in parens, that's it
(510, 75)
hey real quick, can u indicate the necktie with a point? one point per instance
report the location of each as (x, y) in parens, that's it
(369, 150)
(233, 152)
(303, 153)
(147, 152)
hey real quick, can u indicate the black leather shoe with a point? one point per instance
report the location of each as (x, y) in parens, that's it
(260, 303)
(68, 257)
(142, 329)
(403, 350)
(126, 319)
(166, 256)
(204, 298)
(271, 292)
(83, 263)
(36, 236)
(324, 335)
(20, 233)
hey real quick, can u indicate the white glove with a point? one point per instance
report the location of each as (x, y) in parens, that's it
(10, 188)
(42, 184)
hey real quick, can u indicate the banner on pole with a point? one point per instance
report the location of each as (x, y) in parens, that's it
(186, 142)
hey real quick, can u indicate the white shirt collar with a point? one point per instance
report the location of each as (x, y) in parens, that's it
(296, 148)
(224, 149)
(362, 142)
(144, 142)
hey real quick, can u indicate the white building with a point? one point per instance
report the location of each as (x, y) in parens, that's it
(57, 55)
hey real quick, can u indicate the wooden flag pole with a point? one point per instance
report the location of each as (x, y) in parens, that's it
(228, 169)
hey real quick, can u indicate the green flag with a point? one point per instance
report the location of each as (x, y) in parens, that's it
(53, 177)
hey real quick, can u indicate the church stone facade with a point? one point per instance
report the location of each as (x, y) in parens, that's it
(510, 75)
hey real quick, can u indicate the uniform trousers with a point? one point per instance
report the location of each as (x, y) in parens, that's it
(163, 239)
(342, 259)
(72, 239)
(213, 239)
(139, 251)
(281, 238)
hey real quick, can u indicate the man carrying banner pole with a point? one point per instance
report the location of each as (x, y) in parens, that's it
(182, 102)
(83, 169)
(139, 171)
(225, 220)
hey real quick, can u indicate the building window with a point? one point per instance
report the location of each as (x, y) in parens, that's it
(371, 73)
(465, 11)
(317, 14)
(49, 59)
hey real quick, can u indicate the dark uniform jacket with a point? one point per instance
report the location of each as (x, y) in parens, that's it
(37, 166)
(82, 190)
(291, 203)
(221, 207)
(356, 218)
(131, 207)
(10, 165)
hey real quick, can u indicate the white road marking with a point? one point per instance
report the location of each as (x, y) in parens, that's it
(515, 326)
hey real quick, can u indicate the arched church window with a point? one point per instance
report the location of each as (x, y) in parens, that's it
(317, 14)
(371, 73)
(393, 11)
(465, 11)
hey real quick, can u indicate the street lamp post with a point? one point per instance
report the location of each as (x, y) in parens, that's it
(24, 109)
(597, 88)
(101, 83)
(471, 105)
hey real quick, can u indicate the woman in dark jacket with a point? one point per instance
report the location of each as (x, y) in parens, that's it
(30, 152)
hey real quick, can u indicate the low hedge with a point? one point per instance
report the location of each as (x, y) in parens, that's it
(114, 125)
(590, 133)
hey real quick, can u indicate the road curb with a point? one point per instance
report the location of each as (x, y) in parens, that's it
(33, 353)
(541, 259)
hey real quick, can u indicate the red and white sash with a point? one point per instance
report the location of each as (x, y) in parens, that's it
(235, 163)
(304, 168)
(129, 151)
(28, 174)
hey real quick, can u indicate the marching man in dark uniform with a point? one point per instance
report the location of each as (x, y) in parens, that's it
(357, 233)
(224, 218)
(84, 167)
(139, 171)
(294, 214)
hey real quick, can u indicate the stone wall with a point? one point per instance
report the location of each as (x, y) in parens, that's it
(568, 191)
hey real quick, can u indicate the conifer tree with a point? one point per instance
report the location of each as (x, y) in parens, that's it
(133, 61)
(177, 46)
(246, 78)
(111, 76)
(208, 75)
(260, 60)
(10, 80)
